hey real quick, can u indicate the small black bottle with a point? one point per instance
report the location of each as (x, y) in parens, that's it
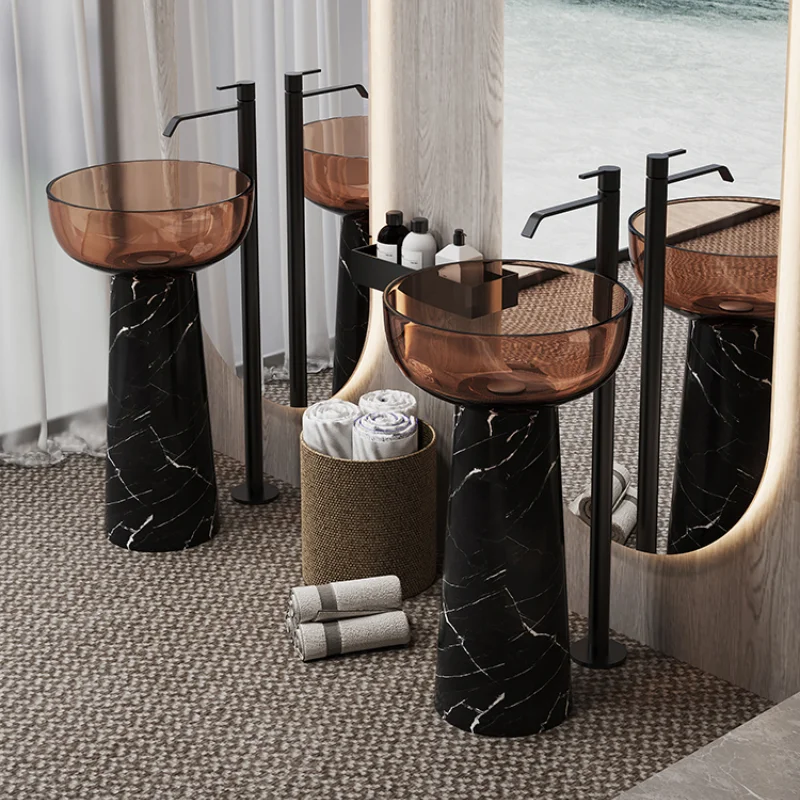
(391, 237)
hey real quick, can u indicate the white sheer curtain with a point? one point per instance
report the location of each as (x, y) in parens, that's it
(169, 56)
(53, 311)
(218, 41)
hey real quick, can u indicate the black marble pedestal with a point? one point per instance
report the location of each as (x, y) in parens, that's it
(724, 429)
(352, 301)
(161, 491)
(503, 659)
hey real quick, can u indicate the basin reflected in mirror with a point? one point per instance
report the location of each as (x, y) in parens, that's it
(335, 178)
(721, 255)
(558, 341)
(336, 161)
(143, 216)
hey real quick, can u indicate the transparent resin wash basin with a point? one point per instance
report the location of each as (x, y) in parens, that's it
(150, 216)
(721, 257)
(560, 340)
(152, 224)
(506, 343)
(336, 163)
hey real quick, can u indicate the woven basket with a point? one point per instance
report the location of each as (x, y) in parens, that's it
(367, 518)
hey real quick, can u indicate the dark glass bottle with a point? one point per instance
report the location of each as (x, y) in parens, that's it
(390, 237)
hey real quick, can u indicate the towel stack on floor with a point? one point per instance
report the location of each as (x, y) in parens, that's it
(623, 506)
(383, 425)
(347, 617)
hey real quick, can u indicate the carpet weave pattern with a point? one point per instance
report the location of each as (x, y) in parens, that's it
(144, 675)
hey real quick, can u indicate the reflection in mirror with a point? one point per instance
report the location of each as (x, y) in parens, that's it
(675, 77)
(336, 178)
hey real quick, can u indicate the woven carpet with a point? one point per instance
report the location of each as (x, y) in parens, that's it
(161, 676)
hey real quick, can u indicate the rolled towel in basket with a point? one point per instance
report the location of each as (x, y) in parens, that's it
(623, 520)
(581, 506)
(343, 599)
(388, 400)
(384, 434)
(328, 427)
(314, 640)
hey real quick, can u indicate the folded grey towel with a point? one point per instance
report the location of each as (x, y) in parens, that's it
(343, 599)
(581, 506)
(314, 640)
(623, 520)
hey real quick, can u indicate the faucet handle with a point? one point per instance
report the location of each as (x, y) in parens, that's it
(671, 153)
(609, 177)
(245, 90)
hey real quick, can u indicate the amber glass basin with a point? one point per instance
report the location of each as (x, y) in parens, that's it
(722, 255)
(336, 163)
(148, 216)
(553, 341)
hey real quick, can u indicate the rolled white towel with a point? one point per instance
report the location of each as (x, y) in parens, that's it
(343, 599)
(384, 434)
(328, 427)
(388, 400)
(581, 506)
(314, 640)
(623, 520)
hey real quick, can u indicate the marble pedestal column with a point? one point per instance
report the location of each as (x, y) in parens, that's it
(503, 665)
(352, 302)
(724, 429)
(161, 491)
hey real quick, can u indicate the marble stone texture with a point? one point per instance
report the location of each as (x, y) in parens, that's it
(352, 301)
(503, 664)
(724, 429)
(161, 491)
(758, 761)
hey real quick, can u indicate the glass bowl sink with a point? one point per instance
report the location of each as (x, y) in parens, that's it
(541, 342)
(336, 163)
(147, 216)
(722, 255)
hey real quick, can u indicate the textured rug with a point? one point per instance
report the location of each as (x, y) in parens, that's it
(137, 675)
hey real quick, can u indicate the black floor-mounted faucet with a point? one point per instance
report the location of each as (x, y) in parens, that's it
(296, 224)
(597, 649)
(254, 490)
(655, 244)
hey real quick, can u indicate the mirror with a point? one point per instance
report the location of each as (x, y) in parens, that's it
(336, 177)
(705, 77)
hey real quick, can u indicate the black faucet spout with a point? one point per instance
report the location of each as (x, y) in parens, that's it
(534, 219)
(178, 118)
(723, 171)
(359, 87)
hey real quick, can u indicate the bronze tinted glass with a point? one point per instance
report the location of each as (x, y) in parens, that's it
(724, 259)
(150, 215)
(336, 163)
(561, 338)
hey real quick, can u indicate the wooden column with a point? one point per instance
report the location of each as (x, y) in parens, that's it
(436, 140)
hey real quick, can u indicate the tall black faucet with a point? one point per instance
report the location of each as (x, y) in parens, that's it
(597, 649)
(254, 490)
(296, 224)
(655, 244)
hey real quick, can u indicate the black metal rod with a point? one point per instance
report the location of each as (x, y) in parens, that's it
(655, 243)
(603, 428)
(296, 240)
(597, 649)
(251, 313)
(254, 491)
